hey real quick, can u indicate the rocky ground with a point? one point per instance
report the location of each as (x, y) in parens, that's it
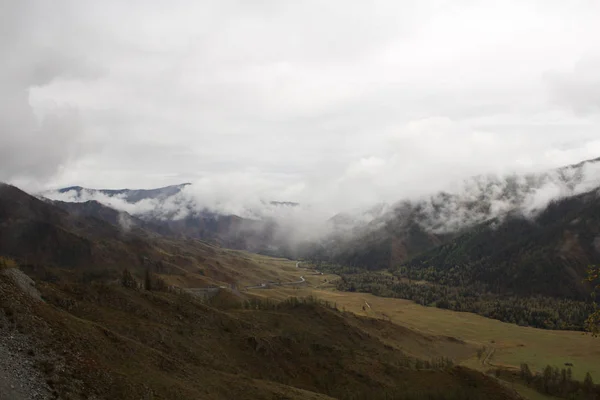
(20, 377)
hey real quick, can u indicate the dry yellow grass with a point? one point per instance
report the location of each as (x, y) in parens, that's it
(512, 344)
(6, 263)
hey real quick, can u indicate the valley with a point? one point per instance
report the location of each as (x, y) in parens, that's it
(479, 343)
(141, 306)
(513, 344)
(291, 200)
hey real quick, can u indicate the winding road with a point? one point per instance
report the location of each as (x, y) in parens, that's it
(266, 285)
(208, 291)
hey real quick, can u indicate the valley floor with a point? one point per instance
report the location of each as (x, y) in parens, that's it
(512, 344)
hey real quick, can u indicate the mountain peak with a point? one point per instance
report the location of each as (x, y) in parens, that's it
(129, 195)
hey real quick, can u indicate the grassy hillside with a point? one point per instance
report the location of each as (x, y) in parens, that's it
(124, 343)
(512, 344)
(55, 243)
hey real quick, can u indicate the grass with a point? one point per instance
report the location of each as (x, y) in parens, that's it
(126, 343)
(513, 344)
(199, 264)
(531, 394)
(6, 263)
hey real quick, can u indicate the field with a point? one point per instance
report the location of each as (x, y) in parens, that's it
(509, 344)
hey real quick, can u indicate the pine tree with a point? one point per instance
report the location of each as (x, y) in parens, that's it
(547, 377)
(593, 321)
(588, 383)
(148, 280)
(127, 279)
(419, 364)
(526, 373)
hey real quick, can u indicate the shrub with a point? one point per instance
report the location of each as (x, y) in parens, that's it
(6, 263)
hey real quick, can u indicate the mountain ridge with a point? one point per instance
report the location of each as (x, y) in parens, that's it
(386, 237)
(441, 216)
(130, 195)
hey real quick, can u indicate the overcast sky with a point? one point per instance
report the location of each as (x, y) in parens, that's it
(340, 101)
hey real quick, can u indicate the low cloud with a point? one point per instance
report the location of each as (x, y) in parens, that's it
(463, 204)
(485, 197)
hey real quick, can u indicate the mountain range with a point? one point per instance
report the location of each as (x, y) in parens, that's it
(91, 260)
(414, 232)
(110, 317)
(553, 214)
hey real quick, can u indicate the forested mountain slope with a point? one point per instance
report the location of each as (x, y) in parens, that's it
(401, 231)
(547, 255)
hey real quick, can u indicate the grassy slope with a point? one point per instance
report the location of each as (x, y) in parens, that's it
(124, 343)
(54, 243)
(514, 344)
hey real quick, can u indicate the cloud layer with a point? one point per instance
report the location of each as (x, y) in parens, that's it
(337, 105)
(466, 203)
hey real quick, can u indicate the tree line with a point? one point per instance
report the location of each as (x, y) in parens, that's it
(535, 311)
(554, 382)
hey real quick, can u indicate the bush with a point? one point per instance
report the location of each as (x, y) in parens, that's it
(6, 263)
(555, 382)
(291, 302)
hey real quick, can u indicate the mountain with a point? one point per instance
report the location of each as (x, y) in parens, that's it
(129, 195)
(175, 211)
(411, 227)
(95, 210)
(412, 232)
(94, 241)
(103, 321)
(225, 230)
(284, 203)
(547, 254)
(35, 231)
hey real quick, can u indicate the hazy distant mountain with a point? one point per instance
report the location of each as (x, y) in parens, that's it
(284, 203)
(129, 195)
(482, 197)
(401, 231)
(173, 211)
(380, 236)
(173, 202)
(349, 220)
